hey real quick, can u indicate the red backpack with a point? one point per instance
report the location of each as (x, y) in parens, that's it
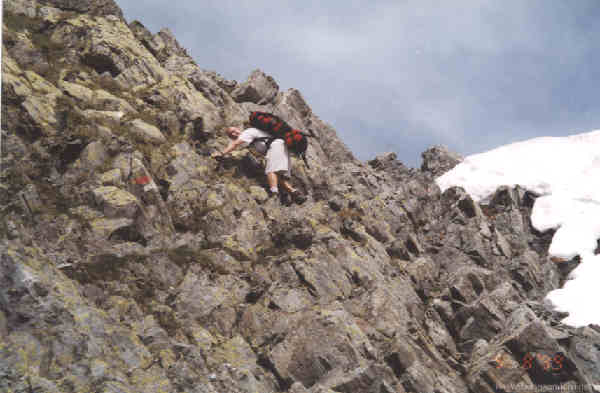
(295, 140)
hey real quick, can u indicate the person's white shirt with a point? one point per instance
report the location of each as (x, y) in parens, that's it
(250, 134)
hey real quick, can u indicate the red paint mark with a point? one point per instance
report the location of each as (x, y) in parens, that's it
(142, 180)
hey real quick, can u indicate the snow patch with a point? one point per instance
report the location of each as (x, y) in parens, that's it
(565, 171)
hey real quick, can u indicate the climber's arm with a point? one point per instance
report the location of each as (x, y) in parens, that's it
(231, 147)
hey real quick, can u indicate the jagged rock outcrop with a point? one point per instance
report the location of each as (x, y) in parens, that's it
(259, 88)
(438, 160)
(133, 262)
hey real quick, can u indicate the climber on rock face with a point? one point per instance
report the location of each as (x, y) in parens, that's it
(276, 154)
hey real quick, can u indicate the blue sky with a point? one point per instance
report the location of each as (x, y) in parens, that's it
(405, 75)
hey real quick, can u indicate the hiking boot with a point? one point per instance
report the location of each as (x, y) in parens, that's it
(298, 197)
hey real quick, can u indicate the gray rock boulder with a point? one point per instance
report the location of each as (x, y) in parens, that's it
(146, 132)
(259, 88)
(438, 160)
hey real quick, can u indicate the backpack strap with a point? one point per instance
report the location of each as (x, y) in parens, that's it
(303, 155)
(267, 140)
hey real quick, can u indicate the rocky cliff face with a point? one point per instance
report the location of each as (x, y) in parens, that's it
(133, 262)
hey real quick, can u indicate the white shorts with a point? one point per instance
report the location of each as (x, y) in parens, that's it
(278, 158)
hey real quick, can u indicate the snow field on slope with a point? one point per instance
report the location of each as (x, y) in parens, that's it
(565, 172)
